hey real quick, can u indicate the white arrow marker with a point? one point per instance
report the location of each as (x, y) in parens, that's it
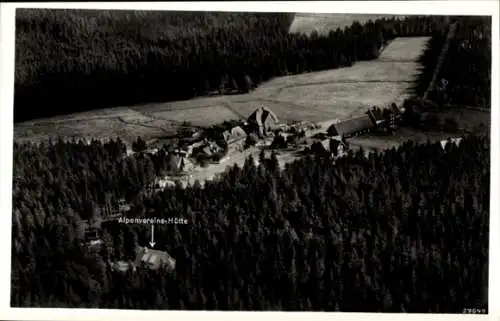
(152, 243)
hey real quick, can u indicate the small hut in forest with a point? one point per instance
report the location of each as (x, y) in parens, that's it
(154, 259)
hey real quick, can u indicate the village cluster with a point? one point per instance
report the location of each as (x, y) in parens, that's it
(261, 130)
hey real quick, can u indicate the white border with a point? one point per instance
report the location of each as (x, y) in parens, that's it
(7, 16)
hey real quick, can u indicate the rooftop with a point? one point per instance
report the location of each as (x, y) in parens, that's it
(154, 259)
(261, 114)
(350, 126)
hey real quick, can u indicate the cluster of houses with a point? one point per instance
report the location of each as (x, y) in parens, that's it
(375, 120)
(334, 140)
(262, 122)
(195, 146)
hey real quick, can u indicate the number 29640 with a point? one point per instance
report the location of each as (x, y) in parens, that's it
(474, 311)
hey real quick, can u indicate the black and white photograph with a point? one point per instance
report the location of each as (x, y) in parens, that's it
(251, 161)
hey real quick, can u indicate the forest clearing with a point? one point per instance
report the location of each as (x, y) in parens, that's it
(325, 22)
(314, 96)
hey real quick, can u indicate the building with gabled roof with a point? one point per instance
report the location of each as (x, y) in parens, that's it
(351, 127)
(161, 183)
(263, 120)
(210, 149)
(454, 140)
(189, 147)
(180, 163)
(154, 259)
(235, 134)
(326, 144)
(338, 147)
(335, 145)
(146, 258)
(376, 116)
(122, 266)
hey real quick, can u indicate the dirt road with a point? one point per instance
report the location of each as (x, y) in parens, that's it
(210, 172)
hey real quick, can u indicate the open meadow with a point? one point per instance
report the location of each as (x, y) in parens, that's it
(315, 96)
(324, 22)
(383, 142)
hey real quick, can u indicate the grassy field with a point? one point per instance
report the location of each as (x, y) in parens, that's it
(380, 143)
(317, 96)
(469, 120)
(324, 22)
(212, 116)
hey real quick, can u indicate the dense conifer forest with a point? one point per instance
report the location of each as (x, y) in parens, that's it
(404, 230)
(466, 67)
(79, 60)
